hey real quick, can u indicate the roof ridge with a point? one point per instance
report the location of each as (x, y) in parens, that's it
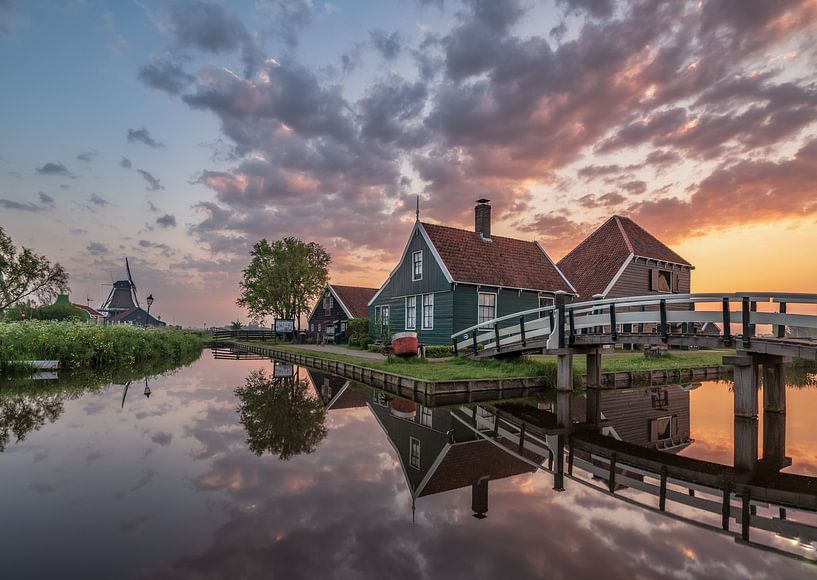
(476, 233)
(624, 234)
(653, 237)
(595, 231)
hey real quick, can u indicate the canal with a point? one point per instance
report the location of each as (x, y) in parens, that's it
(234, 467)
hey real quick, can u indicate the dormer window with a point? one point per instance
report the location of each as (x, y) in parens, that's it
(417, 265)
(328, 302)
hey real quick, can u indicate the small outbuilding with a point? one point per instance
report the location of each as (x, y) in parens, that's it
(336, 306)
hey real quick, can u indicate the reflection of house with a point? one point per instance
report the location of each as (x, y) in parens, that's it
(438, 453)
(449, 279)
(337, 392)
(623, 259)
(657, 417)
(335, 307)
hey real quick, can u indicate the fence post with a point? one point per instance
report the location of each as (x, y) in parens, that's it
(727, 322)
(781, 328)
(522, 330)
(496, 335)
(561, 298)
(747, 325)
(522, 439)
(613, 331)
(454, 340)
(664, 326)
(474, 337)
(572, 319)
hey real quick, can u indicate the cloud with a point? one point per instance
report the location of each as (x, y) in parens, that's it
(45, 199)
(98, 201)
(153, 183)
(143, 136)
(87, 156)
(388, 45)
(126, 163)
(19, 205)
(8, 17)
(97, 248)
(165, 75)
(167, 221)
(77, 231)
(164, 249)
(57, 169)
(290, 17)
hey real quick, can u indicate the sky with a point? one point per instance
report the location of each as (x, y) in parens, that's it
(180, 132)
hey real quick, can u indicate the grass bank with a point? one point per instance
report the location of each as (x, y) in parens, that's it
(623, 361)
(460, 368)
(78, 345)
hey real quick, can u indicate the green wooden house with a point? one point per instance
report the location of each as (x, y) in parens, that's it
(449, 279)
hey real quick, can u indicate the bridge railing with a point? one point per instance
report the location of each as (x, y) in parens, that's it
(664, 315)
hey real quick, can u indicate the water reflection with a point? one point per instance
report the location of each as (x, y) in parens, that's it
(168, 487)
(281, 415)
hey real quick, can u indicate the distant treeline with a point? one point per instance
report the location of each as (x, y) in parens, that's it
(78, 345)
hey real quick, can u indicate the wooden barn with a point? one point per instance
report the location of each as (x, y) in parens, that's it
(333, 310)
(620, 259)
(449, 279)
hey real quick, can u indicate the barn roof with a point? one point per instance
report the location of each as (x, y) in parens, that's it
(354, 299)
(595, 262)
(498, 261)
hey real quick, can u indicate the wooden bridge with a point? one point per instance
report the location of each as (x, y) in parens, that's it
(702, 320)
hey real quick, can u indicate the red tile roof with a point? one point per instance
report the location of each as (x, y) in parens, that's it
(505, 262)
(592, 264)
(355, 298)
(465, 463)
(88, 309)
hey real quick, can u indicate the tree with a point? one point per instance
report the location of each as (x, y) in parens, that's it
(24, 273)
(284, 278)
(280, 416)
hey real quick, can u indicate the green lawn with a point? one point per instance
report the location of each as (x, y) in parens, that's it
(636, 361)
(445, 370)
(534, 366)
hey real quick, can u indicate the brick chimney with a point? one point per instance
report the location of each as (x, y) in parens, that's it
(482, 218)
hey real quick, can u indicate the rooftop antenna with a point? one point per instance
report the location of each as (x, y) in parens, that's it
(417, 211)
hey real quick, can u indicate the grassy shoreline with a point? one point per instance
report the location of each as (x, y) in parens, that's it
(78, 345)
(463, 368)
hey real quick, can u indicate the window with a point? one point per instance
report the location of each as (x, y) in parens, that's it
(487, 307)
(414, 452)
(660, 280)
(343, 327)
(328, 302)
(544, 302)
(417, 265)
(380, 399)
(377, 314)
(661, 428)
(411, 312)
(384, 316)
(428, 311)
(425, 417)
(312, 327)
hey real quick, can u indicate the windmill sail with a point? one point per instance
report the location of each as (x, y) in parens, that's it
(130, 279)
(122, 296)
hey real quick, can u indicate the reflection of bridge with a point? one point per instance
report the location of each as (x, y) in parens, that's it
(583, 328)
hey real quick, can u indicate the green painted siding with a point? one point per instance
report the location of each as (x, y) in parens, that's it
(443, 319)
(508, 302)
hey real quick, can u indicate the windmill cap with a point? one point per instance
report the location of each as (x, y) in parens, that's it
(483, 200)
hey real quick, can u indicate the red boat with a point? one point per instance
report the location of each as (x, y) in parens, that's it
(405, 344)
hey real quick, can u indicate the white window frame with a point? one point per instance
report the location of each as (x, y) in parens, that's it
(496, 305)
(426, 417)
(423, 321)
(377, 315)
(414, 263)
(411, 323)
(412, 442)
(550, 299)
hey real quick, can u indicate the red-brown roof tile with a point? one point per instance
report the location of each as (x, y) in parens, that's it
(505, 262)
(355, 298)
(465, 463)
(593, 264)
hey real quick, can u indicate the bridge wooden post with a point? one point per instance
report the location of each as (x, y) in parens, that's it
(745, 446)
(594, 368)
(746, 383)
(774, 412)
(564, 370)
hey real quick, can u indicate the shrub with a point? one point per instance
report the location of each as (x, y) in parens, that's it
(439, 351)
(374, 347)
(75, 344)
(365, 342)
(357, 327)
(354, 341)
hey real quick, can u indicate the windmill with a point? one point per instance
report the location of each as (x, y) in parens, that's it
(122, 296)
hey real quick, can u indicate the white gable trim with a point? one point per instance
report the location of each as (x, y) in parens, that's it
(437, 258)
(552, 263)
(616, 277)
(335, 295)
(433, 469)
